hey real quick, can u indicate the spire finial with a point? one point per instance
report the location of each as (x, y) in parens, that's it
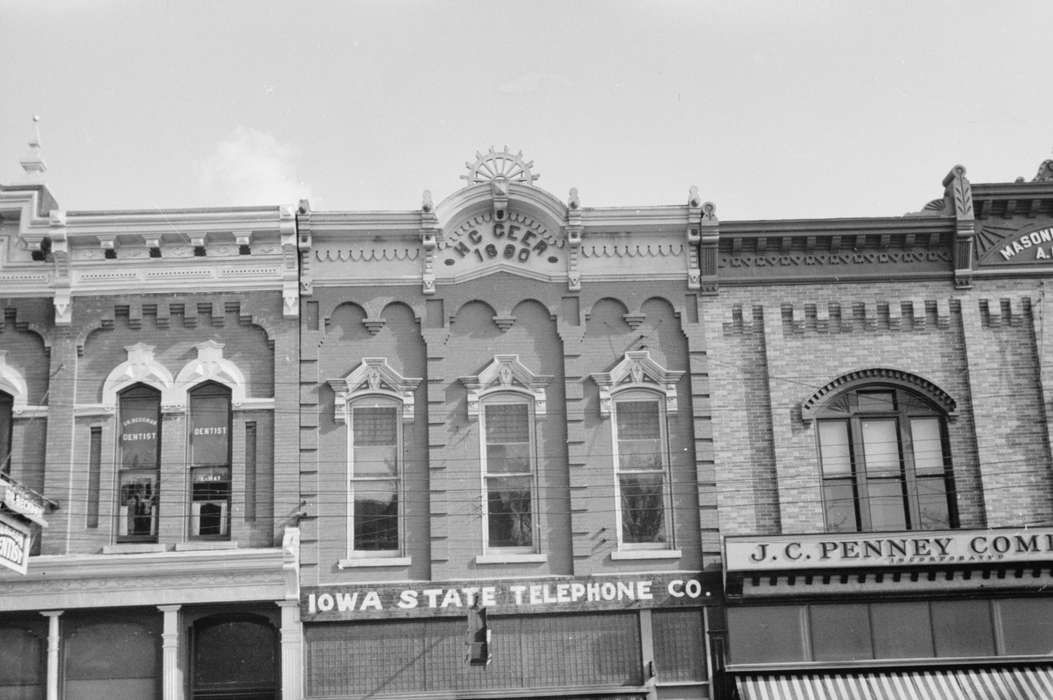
(33, 163)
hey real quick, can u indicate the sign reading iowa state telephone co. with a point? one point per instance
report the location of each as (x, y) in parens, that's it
(516, 240)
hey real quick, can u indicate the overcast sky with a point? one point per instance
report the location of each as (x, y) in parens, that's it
(773, 109)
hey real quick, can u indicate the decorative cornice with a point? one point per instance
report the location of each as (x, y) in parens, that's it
(636, 370)
(373, 377)
(878, 375)
(506, 373)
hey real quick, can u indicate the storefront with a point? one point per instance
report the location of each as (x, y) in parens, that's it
(625, 637)
(919, 614)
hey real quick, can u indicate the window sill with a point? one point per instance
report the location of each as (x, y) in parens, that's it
(646, 554)
(510, 558)
(134, 548)
(364, 562)
(205, 544)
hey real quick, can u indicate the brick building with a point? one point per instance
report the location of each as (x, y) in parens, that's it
(491, 417)
(142, 356)
(880, 407)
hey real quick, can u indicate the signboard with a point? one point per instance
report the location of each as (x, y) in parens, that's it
(887, 549)
(14, 544)
(435, 599)
(25, 502)
(1006, 246)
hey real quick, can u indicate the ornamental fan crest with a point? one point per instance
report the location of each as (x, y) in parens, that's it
(500, 166)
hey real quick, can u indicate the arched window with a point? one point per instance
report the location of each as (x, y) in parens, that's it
(235, 657)
(209, 451)
(506, 423)
(375, 436)
(885, 461)
(6, 407)
(641, 457)
(638, 395)
(139, 463)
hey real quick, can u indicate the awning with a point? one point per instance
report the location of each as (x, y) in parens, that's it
(984, 683)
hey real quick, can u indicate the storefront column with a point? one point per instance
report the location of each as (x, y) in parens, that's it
(53, 652)
(292, 650)
(172, 673)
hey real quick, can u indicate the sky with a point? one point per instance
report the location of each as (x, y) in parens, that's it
(773, 109)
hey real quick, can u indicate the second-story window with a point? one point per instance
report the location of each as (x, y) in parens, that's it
(6, 405)
(375, 472)
(508, 474)
(885, 464)
(139, 462)
(641, 462)
(209, 450)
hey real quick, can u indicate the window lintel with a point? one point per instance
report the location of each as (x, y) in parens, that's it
(637, 370)
(373, 377)
(506, 374)
(813, 406)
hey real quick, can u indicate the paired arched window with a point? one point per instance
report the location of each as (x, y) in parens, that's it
(885, 462)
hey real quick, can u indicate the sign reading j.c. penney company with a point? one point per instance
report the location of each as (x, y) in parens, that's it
(434, 599)
(915, 548)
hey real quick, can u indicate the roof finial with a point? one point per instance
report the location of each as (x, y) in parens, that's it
(33, 163)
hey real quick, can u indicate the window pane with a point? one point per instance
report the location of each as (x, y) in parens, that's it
(509, 458)
(1027, 624)
(679, 649)
(138, 437)
(209, 428)
(508, 503)
(643, 508)
(880, 445)
(887, 506)
(840, 632)
(376, 523)
(638, 420)
(375, 439)
(932, 503)
(876, 402)
(928, 447)
(834, 449)
(962, 628)
(210, 508)
(640, 454)
(839, 499)
(235, 655)
(137, 516)
(507, 423)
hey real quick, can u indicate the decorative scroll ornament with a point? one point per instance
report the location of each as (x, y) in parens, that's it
(501, 166)
(377, 378)
(210, 365)
(506, 373)
(141, 367)
(637, 371)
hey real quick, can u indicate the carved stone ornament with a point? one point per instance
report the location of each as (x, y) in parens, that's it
(210, 365)
(500, 165)
(637, 371)
(373, 377)
(13, 383)
(506, 373)
(141, 367)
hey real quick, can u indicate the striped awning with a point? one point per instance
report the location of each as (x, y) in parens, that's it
(985, 683)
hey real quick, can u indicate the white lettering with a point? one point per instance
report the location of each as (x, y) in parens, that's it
(407, 600)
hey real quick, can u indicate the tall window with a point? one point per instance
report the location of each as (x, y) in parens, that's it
(508, 474)
(209, 450)
(885, 463)
(641, 460)
(6, 404)
(139, 460)
(376, 438)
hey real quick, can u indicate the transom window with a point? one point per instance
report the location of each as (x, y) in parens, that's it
(209, 450)
(641, 464)
(885, 463)
(139, 460)
(507, 426)
(375, 473)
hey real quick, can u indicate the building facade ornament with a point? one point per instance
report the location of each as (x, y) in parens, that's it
(374, 376)
(637, 370)
(506, 373)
